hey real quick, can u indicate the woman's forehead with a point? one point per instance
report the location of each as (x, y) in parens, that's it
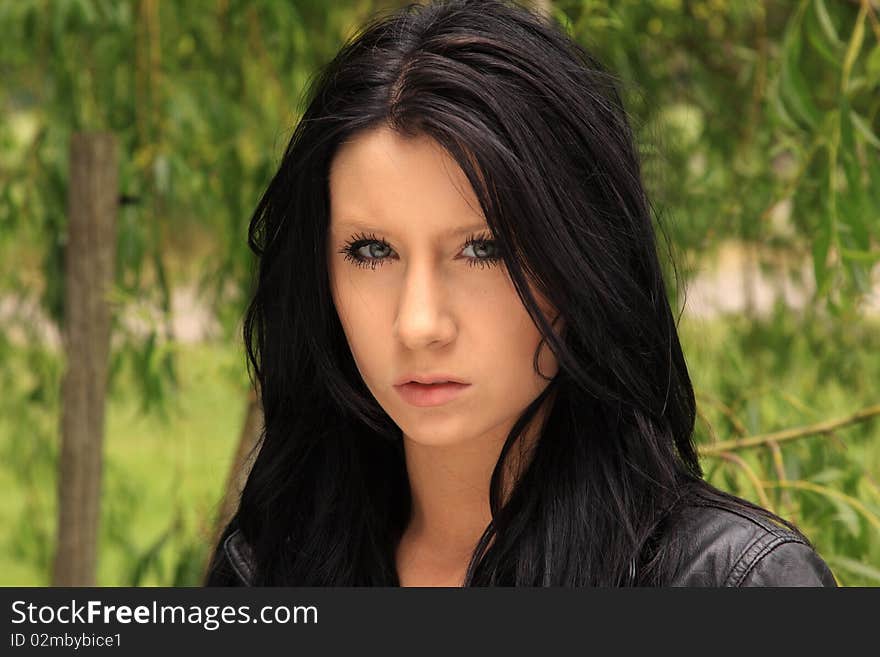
(380, 177)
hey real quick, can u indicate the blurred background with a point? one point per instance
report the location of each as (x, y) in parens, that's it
(136, 137)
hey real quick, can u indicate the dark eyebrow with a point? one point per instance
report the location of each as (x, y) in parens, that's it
(365, 227)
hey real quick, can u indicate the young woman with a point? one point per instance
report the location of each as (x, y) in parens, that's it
(469, 368)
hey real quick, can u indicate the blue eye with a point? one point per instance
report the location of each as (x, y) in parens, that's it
(483, 243)
(371, 251)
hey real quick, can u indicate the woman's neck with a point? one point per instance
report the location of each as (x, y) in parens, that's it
(449, 487)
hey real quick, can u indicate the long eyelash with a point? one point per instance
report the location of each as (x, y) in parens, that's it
(351, 247)
(481, 238)
(350, 250)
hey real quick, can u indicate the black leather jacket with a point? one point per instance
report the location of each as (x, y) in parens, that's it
(721, 547)
(727, 547)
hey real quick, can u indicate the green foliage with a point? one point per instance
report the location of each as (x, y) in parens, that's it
(202, 99)
(740, 107)
(758, 377)
(162, 478)
(777, 98)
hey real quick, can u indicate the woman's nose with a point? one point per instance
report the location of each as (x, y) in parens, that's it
(424, 317)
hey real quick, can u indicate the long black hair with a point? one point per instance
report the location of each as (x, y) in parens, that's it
(537, 125)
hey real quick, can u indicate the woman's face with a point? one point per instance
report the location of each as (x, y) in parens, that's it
(415, 299)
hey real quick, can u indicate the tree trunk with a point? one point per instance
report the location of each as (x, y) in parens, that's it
(90, 253)
(245, 454)
(544, 6)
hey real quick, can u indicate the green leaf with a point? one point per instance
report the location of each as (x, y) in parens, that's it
(84, 12)
(847, 516)
(820, 46)
(778, 106)
(860, 276)
(865, 130)
(856, 567)
(149, 559)
(867, 257)
(821, 245)
(793, 86)
(874, 184)
(872, 66)
(829, 47)
(847, 141)
(827, 25)
(827, 475)
(855, 44)
(851, 206)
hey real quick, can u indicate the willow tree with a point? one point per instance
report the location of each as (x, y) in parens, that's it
(758, 122)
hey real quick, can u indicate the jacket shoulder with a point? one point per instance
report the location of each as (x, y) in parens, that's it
(233, 563)
(722, 546)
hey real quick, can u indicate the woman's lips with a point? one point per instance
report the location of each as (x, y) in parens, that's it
(434, 394)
